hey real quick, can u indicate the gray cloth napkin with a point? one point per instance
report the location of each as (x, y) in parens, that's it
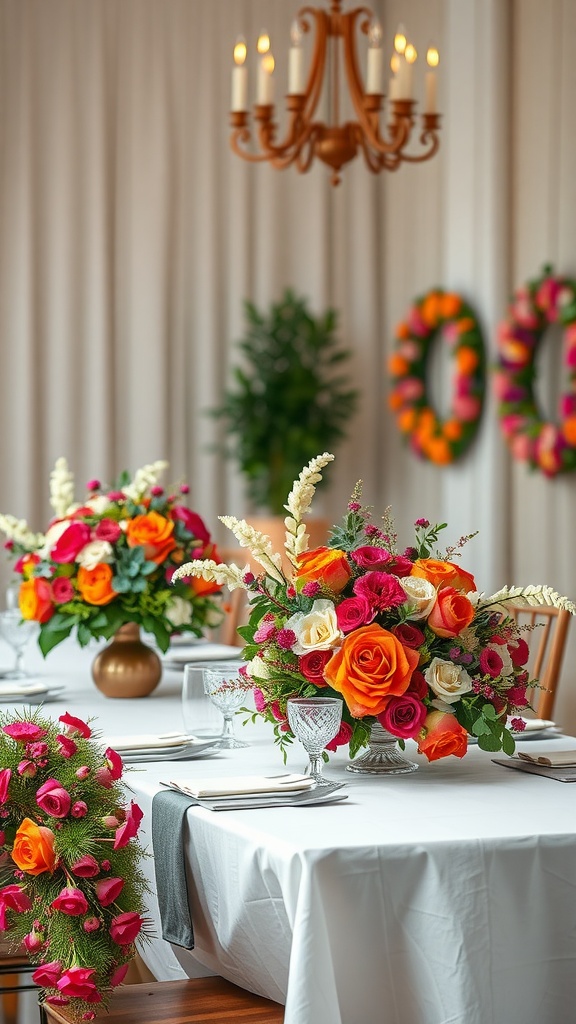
(168, 827)
(559, 774)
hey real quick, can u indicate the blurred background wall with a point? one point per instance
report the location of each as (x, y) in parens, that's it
(130, 236)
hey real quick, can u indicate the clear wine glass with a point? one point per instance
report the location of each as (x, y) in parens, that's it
(315, 721)
(200, 716)
(227, 688)
(16, 631)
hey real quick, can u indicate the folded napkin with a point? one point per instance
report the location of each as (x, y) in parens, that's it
(202, 652)
(168, 843)
(21, 689)
(242, 784)
(148, 741)
(552, 759)
(559, 774)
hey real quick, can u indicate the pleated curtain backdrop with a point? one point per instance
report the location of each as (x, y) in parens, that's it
(130, 236)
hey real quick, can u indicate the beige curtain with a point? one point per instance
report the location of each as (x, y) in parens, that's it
(130, 235)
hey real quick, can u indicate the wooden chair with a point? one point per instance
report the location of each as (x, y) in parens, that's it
(14, 969)
(198, 1001)
(547, 642)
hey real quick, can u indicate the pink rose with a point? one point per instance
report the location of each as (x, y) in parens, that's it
(259, 699)
(86, 866)
(418, 685)
(62, 590)
(24, 732)
(13, 897)
(79, 809)
(5, 776)
(403, 716)
(369, 557)
(118, 975)
(75, 726)
(70, 901)
(115, 763)
(70, 544)
(103, 775)
(91, 924)
(312, 665)
(490, 662)
(129, 829)
(108, 890)
(77, 983)
(33, 942)
(353, 612)
(519, 652)
(53, 799)
(27, 768)
(191, 522)
(342, 737)
(381, 589)
(125, 927)
(66, 746)
(108, 530)
(47, 974)
(56, 1000)
(83, 772)
(400, 565)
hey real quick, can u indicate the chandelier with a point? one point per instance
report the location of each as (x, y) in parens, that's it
(337, 142)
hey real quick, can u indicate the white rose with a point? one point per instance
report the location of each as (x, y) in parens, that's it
(447, 680)
(178, 611)
(421, 596)
(53, 535)
(257, 668)
(99, 503)
(93, 553)
(317, 630)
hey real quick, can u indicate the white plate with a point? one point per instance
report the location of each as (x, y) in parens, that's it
(186, 753)
(201, 652)
(40, 697)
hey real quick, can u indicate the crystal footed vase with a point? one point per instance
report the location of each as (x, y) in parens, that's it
(127, 667)
(383, 756)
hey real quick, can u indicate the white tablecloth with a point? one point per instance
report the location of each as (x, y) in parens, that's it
(443, 897)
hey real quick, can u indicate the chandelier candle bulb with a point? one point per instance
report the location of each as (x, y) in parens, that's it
(239, 78)
(265, 80)
(431, 84)
(375, 69)
(296, 62)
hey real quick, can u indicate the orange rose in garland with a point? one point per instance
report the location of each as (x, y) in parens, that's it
(33, 850)
(392, 632)
(109, 560)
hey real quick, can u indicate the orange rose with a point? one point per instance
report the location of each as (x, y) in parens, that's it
(430, 309)
(442, 735)
(327, 566)
(443, 574)
(453, 430)
(451, 613)
(370, 667)
(450, 305)
(467, 360)
(152, 532)
(33, 849)
(395, 400)
(95, 585)
(35, 599)
(569, 430)
(398, 366)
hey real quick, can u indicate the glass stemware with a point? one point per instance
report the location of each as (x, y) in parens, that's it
(315, 721)
(16, 632)
(200, 716)
(227, 688)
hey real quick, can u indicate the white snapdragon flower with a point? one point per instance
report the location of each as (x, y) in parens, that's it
(317, 630)
(447, 680)
(178, 612)
(18, 531)
(94, 553)
(144, 478)
(421, 596)
(61, 488)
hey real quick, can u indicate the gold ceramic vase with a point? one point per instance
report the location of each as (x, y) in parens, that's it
(127, 667)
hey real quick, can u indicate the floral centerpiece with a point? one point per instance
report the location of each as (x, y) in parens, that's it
(71, 889)
(404, 637)
(109, 561)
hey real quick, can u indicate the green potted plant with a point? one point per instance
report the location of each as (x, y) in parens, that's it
(290, 398)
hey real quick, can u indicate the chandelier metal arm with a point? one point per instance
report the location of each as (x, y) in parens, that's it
(429, 134)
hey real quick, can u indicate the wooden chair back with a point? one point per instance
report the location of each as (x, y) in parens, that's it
(546, 639)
